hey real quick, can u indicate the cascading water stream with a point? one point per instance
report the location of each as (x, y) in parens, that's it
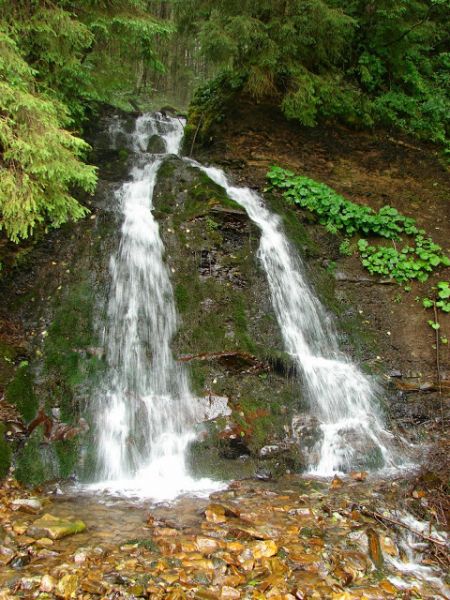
(145, 412)
(343, 399)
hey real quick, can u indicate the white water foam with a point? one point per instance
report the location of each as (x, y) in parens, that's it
(145, 412)
(342, 397)
(412, 546)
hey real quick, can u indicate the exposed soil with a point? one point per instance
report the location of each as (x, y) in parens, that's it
(374, 169)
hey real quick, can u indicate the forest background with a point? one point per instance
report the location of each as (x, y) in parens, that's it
(366, 64)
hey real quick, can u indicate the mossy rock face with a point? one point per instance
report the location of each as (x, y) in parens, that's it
(20, 392)
(5, 452)
(9, 356)
(57, 301)
(224, 304)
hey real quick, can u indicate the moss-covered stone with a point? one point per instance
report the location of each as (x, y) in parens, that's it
(20, 392)
(70, 362)
(5, 452)
(8, 355)
(31, 464)
(224, 304)
(55, 528)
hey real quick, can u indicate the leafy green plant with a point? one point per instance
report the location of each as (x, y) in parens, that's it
(443, 293)
(407, 264)
(336, 213)
(345, 248)
(442, 300)
(211, 224)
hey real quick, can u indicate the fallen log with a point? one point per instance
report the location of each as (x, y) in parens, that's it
(243, 361)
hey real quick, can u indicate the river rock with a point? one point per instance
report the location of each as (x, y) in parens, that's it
(67, 587)
(19, 561)
(29, 505)
(55, 528)
(48, 583)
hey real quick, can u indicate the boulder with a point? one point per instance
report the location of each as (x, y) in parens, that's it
(55, 528)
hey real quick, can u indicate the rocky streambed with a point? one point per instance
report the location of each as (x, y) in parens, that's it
(292, 539)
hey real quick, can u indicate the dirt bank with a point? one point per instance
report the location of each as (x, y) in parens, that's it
(373, 169)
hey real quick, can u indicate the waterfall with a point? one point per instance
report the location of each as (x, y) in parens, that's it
(343, 399)
(145, 411)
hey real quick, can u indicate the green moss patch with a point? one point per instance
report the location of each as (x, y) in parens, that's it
(20, 392)
(5, 452)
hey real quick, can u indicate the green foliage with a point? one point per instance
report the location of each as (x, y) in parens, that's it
(57, 61)
(379, 63)
(345, 248)
(411, 262)
(39, 160)
(442, 300)
(210, 103)
(336, 212)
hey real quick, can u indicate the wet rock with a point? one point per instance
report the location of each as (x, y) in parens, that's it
(307, 435)
(395, 373)
(358, 475)
(48, 583)
(229, 593)
(336, 483)
(46, 553)
(266, 549)
(270, 451)
(427, 386)
(20, 561)
(44, 542)
(263, 474)
(55, 528)
(207, 545)
(97, 351)
(388, 546)
(212, 407)
(67, 587)
(230, 341)
(29, 505)
(215, 513)
(156, 145)
(6, 554)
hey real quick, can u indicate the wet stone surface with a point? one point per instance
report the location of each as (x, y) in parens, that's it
(293, 539)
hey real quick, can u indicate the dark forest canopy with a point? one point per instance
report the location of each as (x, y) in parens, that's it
(365, 63)
(57, 61)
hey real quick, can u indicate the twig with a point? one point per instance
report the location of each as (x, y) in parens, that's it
(195, 135)
(408, 31)
(375, 515)
(438, 366)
